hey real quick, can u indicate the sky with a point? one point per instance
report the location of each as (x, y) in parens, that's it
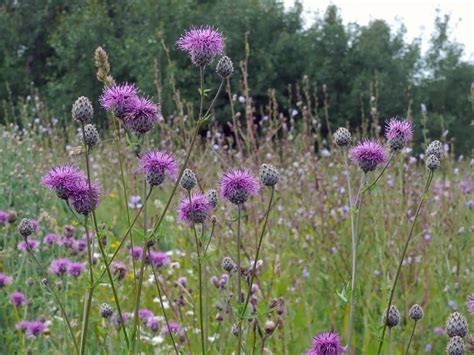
(417, 16)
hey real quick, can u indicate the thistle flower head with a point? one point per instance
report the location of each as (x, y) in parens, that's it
(238, 185)
(84, 199)
(59, 267)
(28, 244)
(119, 269)
(75, 269)
(416, 312)
(212, 197)
(62, 179)
(117, 98)
(17, 299)
(50, 239)
(269, 175)
(470, 303)
(156, 165)
(3, 218)
(203, 44)
(35, 328)
(5, 280)
(26, 227)
(141, 115)
(327, 343)
(153, 323)
(393, 316)
(194, 210)
(456, 325)
(145, 313)
(158, 258)
(399, 132)
(173, 328)
(82, 110)
(342, 137)
(136, 252)
(224, 67)
(432, 162)
(455, 346)
(106, 310)
(435, 148)
(188, 179)
(368, 155)
(91, 135)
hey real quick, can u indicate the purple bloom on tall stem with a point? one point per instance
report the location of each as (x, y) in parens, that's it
(238, 185)
(28, 244)
(119, 269)
(117, 98)
(75, 269)
(153, 323)
(22, 325)
(470, 303)
(17, 299)
(62, 180)
(3, 218)
(195, 210)
(368, 155)
(173, 327)
(141, 115)
(144, 314)
(50, 239)
(136, 253)
(327, 343)
(35, 328)
(59, 267)
(398, 133)
(5, 280)
(158, 258)
(203, 44)
(156, 165)
(84, 199)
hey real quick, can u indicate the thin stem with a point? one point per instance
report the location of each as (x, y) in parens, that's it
(371, 185)
(411, 337)
(215, 98)
(239, 278)
(405, 248)
(201, 91)
(158, 288)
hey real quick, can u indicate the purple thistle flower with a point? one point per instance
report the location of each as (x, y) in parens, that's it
(22, 325)
(59, 267)
(62, 180)
(3, 218)
(29, 244)
(153, 323)
(5, 280)
(156, 165)
(195, 211)
(368, 154)
(141, 115)
(35, 328)
(470, 303)
(136, 253)
(75, 269)
(117, 98)
(17, 299)
(83, 199)
(79, 246)
(173, 327)
(396, 128)
(119, 269)
(203, 44)
(327, 343)
(237, 185)
(158, 258)
(144, 314)
(135, 201)
(50, 239)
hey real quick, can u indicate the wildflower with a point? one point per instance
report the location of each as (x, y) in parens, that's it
(269, 327)
(416, 312)
(79, 246)
(368, 155)
(158, 258)
(327, 343)
(393, 317)
(62, 179)
(119, 269)
(194, 209)
(91, 135)
(152, 323)
(26, 227)
(22, 325)
(84, 199)
(117, 321)
(117, 98)
(470, 302)
(5, 280)
(3, 218)
(28, 244)
(59, 267)
(135, 201)
(203, 44)
(435, 148)
(75, 269)
(156, 165)
(35, 328)
(173, 327)
(106, 310)
(188, 180)
(238, 185)
(235, 329)
(269, 175)
(398, 133)
(455, 346)
(141, 115)
(456, 325)
(432, 162)
(228, 264)
(224, 67)
(69, 231)
(50, 239)
(136, 253)
(342, 137)
(17, 299)
(144, 314)
(82, 110)
(212, 198)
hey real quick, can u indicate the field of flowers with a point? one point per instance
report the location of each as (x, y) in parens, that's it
(172, 235)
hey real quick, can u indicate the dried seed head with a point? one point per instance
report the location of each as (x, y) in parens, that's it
(416, 312)
(212, 198)
(224, 68)
(228, 264)
(342, 137)
(432, 162)
(91, 135)
(455, 346)
(269, 327)
(188, 180)
(106, 310)
(25, 228)
(82, 110)
(269, 176)
(456, 325)
(393, 316)
(435, 148)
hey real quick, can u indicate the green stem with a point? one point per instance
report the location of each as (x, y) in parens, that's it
(371, 185)
(397, 275)
(411, 337)
(239, 279)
